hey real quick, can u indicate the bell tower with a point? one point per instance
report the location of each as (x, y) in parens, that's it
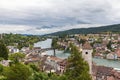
(87, 55)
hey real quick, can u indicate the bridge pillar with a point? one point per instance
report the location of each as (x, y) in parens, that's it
(54, 52)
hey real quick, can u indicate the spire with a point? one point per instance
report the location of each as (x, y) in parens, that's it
(87, 46)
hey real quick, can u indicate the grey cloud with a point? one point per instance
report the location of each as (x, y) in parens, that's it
(44, 14)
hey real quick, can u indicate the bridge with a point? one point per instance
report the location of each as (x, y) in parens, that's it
(39, 50)
(44, 49)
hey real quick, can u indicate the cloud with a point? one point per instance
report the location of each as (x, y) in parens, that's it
(23, 29)
(14, 28)
(50, 15)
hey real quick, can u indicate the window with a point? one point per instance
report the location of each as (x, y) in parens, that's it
(86, 52)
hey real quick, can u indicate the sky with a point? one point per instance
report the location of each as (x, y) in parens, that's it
(48, 16)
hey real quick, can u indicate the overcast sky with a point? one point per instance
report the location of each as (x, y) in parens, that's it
(47, 16)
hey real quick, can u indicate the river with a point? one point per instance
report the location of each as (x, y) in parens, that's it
(108, 63)
(61, 54)
(47, 44)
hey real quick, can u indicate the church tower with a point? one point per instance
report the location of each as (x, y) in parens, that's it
(87, 55)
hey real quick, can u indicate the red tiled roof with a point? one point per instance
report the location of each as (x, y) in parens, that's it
(87, 46)
(118, 52)
(55, 58)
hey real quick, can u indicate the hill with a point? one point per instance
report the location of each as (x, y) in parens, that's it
(111, 28)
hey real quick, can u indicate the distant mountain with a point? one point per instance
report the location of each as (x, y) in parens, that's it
(111, 28)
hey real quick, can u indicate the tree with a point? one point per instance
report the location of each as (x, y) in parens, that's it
(82, 41)
(16, 57)
(17, 72)
(109, 45)
(31, 47)
(77, 68)
(54, 43)
(36, 73)
(3, 51)
(1, 69)
(34, 67)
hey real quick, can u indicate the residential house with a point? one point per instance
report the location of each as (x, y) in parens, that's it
(52, 60)
(114, 46)
(62, 66)
(25, 50)
(53, 64)
(118, 53)
(111, 56)
(32, 58)
(13, 49)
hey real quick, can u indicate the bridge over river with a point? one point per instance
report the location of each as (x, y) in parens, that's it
(45, 49)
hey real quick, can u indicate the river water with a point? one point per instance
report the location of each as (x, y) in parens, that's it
(47, 44)
(61, 54)
(108, 63)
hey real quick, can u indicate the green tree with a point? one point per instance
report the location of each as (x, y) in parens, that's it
(31, 47)
(1, 73)
(82, 41)
(1, 69)
(17, 72)
(16, 57)
(34, 67)
(77, 68)
(37, 74)
(40, 76)
(109, 45)
(54, 43)
(3, 51)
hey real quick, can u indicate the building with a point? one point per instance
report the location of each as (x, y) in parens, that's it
(111, 56)
(53, 61)
(87, 55)
(32, 58)
(118, 53)
(13, 49)
(53, 64)
(62, 65)
(105, 73)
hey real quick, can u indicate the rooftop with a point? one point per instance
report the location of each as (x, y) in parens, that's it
(87, 46)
